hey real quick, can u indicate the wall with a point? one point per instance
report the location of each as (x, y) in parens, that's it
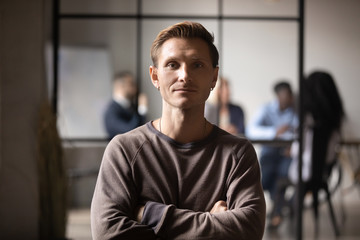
(21, 90)
(333, 44)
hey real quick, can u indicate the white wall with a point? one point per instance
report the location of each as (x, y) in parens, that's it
(256, 54)
(333, 44)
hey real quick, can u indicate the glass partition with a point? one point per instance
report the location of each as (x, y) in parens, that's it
(256, 54)
(184, 7)
(91, 51)
(98, 6)
(268, 8)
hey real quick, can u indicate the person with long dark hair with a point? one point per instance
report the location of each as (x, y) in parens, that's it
(324, 114)
(323, 117)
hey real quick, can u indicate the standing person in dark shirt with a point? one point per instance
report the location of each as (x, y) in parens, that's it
(121, 114)
(223, 112)
(179, 176)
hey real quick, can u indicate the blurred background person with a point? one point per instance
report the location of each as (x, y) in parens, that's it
(121, 114)
(275, 120)
(323, 117)
(222, 112)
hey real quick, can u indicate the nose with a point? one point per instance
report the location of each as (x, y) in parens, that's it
(184, 74)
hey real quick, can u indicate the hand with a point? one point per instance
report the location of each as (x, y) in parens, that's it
(282, 129)
(219, 206)
(287, 152)
(139, 213)
(142, 100)
(230, 128)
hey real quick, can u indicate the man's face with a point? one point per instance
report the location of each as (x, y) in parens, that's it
(285, 98)
(184, 73)
(129, 87)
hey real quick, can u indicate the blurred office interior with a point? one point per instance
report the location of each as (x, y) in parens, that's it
(65, 52)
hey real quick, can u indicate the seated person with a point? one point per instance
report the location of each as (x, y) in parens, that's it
(275, 120)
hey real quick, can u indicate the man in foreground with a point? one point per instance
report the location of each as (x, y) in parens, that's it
(179, 176)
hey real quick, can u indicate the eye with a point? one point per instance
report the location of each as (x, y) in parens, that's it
(172, 65)
(198, 65)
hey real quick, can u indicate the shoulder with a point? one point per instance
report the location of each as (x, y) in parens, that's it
(240, 152)
(235, 108)
(270, 106)
(239, 145)
(128, 143)
(134, 137)
(112, 103)
(112, 106)
(265, 108)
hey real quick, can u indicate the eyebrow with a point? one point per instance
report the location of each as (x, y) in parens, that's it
(196, 58)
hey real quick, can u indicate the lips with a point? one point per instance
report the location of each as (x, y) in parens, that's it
(185, 90)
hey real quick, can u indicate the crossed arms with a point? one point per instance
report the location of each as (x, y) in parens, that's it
(117, 211)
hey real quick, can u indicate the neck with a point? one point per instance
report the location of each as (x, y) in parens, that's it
(183, 126)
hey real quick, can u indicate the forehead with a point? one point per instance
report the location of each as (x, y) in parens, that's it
(284, 92)
(185, 47)
(125, 80)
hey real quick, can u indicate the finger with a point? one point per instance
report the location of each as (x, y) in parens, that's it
(219, 206)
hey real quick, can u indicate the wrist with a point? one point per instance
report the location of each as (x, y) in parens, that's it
(139, 213)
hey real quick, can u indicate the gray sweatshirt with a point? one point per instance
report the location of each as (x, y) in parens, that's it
(178, 184)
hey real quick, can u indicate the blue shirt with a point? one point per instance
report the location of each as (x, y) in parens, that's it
(268, 119)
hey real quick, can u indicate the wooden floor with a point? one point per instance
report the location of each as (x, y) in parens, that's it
(347, 211)
(349, 221)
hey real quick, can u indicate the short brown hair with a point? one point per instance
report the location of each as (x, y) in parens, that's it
(185, 30)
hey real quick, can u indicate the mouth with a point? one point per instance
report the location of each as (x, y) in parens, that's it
(184, 90)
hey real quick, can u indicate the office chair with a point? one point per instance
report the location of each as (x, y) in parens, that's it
(321, 172)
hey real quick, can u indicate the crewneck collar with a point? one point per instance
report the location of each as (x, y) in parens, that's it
(201, 142)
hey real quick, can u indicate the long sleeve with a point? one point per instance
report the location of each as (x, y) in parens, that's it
(245, 218)
(268, 119)
(178, 184)
(258, 129)
(115, 199)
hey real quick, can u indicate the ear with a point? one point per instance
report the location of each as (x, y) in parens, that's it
(215, 77)
(154, 76)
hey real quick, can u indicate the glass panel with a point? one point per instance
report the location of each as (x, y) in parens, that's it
(98, 6)
(91, 51)
(277, 8)
(256, 54)
(150, 30)
(184, 7)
